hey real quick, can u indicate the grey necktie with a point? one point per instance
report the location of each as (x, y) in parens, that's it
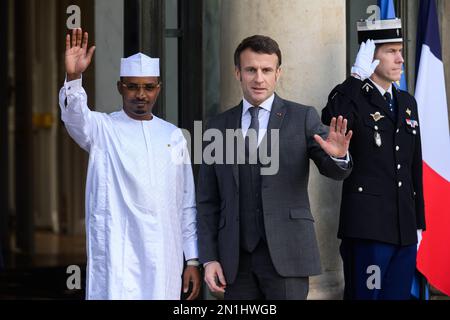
(254, 126)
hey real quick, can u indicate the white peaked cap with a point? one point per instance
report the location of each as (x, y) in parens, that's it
(380, 31)
(139, 65)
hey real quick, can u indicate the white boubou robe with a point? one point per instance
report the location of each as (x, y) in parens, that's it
(140, 201)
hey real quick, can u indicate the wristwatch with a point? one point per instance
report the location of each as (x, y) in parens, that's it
(193, 262)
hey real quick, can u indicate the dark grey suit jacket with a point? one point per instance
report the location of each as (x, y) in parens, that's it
(288, 221)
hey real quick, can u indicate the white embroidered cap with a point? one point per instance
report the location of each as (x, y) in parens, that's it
(139, 65)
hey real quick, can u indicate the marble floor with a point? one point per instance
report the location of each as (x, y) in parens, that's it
(44, 274)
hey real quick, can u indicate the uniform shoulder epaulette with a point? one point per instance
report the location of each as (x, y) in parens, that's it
(367, 87)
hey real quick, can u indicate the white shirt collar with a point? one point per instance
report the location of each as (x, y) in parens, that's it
(381, 89)
(266, 105)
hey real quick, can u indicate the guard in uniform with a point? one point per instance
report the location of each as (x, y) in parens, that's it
(382, 208)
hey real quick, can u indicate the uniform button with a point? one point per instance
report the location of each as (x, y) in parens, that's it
(398, 167)
(360, 189)
(397, 148)
(414, 132)
(376, 127)
(398, 130)
(400, 184)
(414, 194)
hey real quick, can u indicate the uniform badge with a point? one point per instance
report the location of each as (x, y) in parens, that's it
(412, 123)
(408, 111)
(377, 138)
(367, 87)
(377, 116)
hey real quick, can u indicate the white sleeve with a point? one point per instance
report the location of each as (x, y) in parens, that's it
(189, 214)
(78, 118)
(343, 163)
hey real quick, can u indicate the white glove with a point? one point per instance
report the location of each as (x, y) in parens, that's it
(364, 65)
(419, 238)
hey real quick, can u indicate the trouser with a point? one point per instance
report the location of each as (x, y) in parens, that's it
(377, 271)
(257, 279)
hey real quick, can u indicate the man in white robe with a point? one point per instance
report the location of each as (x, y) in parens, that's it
(140, 195)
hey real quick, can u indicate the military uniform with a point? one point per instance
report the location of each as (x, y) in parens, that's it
(382, 199)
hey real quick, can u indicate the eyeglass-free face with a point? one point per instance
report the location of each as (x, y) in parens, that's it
(139, 95)
(258, 75)
(391, 63)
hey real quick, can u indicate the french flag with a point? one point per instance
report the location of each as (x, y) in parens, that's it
(433, 259)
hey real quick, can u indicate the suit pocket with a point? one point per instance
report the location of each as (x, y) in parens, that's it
(222, 214)
(300, 213)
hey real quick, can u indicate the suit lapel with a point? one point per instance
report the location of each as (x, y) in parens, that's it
(276, 118)
(276, 114)
(234, 122)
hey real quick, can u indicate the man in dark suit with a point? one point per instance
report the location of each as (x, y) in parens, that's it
(256, 232)
(382, 209)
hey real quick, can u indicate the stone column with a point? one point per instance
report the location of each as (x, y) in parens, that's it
(45, 114)
(312, 37)
(109, 37)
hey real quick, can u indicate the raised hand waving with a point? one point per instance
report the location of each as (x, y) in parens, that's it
(77, 57)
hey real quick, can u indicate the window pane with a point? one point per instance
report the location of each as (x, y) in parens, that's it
(171, 14)
(171, 80)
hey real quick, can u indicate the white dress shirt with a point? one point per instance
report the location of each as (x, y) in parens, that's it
(263, 116)
(381, 89)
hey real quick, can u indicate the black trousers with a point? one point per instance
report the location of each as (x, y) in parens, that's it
(257, 279)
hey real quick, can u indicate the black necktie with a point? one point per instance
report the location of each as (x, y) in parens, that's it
(388, 98)
(254, 126)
